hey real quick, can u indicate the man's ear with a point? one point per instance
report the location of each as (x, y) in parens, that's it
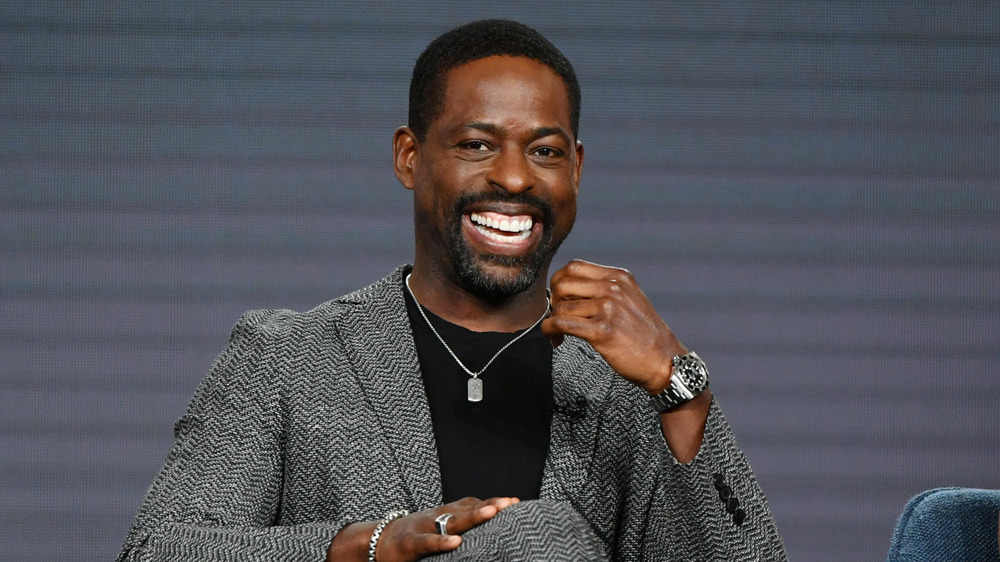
(405, 147)
(579, 165)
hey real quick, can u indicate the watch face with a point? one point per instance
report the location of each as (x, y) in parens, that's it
(694, 371)
(697, 378)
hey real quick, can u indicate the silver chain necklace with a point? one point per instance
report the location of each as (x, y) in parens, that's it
(475, 383)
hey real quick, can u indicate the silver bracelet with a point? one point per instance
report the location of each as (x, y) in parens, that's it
(373, 542)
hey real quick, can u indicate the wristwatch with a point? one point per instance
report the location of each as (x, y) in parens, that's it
(688, 379)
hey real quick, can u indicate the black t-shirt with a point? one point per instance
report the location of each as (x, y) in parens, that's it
(496, 447)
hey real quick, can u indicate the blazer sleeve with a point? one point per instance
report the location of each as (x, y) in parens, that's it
(712, 507)
(218, 494)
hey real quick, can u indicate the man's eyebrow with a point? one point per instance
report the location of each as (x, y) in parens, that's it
(538, 133)
(547, 131)
(484, 127)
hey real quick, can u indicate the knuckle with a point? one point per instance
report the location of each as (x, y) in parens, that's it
(555, 293)
(607, 308)
(623, 276)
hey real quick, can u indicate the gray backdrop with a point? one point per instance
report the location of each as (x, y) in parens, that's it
(808, 191)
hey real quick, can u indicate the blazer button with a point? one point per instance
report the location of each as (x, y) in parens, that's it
(732, 505)
(739, 517)
(725, 492)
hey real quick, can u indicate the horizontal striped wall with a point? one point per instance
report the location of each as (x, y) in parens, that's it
(808, 191)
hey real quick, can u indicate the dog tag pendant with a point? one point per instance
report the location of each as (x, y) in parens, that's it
(475, 389)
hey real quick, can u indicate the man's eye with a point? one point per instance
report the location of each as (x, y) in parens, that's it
(475, 145)
(547, 152)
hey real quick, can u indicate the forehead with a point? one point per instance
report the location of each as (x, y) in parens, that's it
(505, 88)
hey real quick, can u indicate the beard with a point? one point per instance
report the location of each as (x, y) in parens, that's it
(470, 267)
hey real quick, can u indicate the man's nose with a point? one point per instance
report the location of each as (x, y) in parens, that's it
(511, 171)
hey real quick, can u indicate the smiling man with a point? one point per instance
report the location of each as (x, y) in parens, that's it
(465, 407)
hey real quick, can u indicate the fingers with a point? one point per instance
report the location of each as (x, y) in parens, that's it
(584, 297)
(605, 306)
(469, 512)
(587, 298)
(412, 537)
(580, 279)
(591, 270)
(416, 535)
(419, 544)
(583, 307)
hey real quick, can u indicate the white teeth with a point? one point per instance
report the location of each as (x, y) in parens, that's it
(494, 235)
(505, 225)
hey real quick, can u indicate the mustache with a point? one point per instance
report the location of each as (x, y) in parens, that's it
(505, 197)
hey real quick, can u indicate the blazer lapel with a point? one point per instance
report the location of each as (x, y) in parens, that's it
(379, 342)
(580, 384)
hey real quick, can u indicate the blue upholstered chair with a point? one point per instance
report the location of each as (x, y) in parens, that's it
(948, 524)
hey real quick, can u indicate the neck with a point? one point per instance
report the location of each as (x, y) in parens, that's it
(448, 300)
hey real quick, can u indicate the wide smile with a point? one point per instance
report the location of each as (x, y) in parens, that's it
(501, 233)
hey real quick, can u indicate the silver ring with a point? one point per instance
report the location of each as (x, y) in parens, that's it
(442, 523)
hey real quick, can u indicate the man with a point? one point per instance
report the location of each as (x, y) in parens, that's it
(368, 427)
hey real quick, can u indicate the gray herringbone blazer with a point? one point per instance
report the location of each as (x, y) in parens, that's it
(309, 421)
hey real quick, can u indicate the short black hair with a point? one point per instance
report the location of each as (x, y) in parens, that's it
(474, 41)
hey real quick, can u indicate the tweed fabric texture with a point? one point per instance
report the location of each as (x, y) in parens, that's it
(310, 421)
(948, 524)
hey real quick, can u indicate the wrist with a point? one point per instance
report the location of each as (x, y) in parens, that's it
(688, 379)
(378, 530)
(665, 368)
(684, 427)
(660, 381)
(351, 542)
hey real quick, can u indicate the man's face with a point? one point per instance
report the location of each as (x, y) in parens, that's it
(496, 177)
